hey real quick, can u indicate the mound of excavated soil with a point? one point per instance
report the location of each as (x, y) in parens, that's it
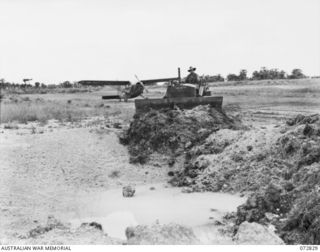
(282, 175)
(303, 222)
(294, 194)
(279, 167)
(171, 132)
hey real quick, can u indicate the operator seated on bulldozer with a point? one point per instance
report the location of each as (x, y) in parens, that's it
(193, 77)
(192, 86)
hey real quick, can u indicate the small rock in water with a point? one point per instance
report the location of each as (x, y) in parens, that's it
(128, 191)
(152, 188)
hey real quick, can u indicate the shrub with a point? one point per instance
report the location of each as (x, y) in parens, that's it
(296, 74)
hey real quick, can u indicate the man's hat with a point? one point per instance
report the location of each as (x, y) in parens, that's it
(192, 69)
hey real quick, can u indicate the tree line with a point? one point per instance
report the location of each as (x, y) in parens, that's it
(65, 84)
(262, 74)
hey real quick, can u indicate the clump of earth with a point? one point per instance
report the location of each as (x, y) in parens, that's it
(171, 132)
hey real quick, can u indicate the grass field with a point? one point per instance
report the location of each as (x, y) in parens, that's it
(276, 98)
(62, 107)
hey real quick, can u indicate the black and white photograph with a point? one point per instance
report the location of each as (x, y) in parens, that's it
(159, 122)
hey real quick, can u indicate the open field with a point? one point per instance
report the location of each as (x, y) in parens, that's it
(272, 99)
(60, 156)
(276, 97)
(61, 107)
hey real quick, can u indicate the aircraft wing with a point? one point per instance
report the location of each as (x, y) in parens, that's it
(122, 83)
(153, 81)
(103, 83)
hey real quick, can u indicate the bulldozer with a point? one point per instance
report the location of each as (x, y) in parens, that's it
(178, 94)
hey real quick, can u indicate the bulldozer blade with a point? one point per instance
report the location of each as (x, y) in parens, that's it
(143, 105)
(110, 97)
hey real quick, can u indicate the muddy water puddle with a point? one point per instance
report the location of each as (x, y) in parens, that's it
(163, 205)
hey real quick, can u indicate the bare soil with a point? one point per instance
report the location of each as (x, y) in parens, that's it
(48, 173)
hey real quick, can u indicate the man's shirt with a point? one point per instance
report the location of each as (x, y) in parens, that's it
(193, 78)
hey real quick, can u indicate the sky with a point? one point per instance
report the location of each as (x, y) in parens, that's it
(52, 41)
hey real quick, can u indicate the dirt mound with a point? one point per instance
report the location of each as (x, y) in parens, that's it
(279, 173)
(277, 167)
(295, 195)
(224, 163)
(303, 223)
(171, 132)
